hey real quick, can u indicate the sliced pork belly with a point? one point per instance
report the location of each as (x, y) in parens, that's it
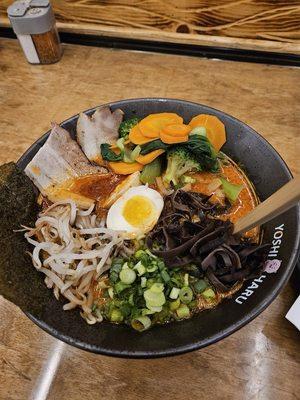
(66, 147)
(101, 127)
(56, 165)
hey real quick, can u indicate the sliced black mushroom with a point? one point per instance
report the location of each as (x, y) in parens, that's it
(187, 232)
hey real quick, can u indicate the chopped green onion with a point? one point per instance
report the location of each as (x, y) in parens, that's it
(120, 286)
(208, 294)
(139, 290)
(139, 267)
(150, 254)
(193, 304)
(111, 292)
(161, 265)
(130, 300)
(116, 315)
(155, 309)
(125, 265)
(174, 293)
(165, 276)
(139, 254)
(150, 282)
(127, 276)
(125, 309)
(141, 323)
(113, 276)
(162, 316)
(146, 311)
(152, 268)
(143, 282)
(176, 280)
(157, 287)
(200, 286)
(117, 265)
(183, 311)
(154, 299)
(174, 304)
(186, 294)
(117, 261)
(186, 279)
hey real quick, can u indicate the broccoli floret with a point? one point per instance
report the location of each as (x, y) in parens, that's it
(180, 161)
(126, 125)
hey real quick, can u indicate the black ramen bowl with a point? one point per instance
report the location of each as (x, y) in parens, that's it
(268, 172)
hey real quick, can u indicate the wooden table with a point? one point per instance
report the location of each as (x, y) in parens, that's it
(261, 361)
(268, 25)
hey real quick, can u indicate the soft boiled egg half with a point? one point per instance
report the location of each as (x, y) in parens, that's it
(136, 211)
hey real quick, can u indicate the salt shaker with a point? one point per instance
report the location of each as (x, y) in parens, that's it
(33, 22)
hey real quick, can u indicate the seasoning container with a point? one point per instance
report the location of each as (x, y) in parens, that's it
(33, 22)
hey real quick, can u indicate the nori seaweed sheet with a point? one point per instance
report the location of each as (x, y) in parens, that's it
(20, 282)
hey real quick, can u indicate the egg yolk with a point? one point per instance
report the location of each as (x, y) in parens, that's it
(138, 211)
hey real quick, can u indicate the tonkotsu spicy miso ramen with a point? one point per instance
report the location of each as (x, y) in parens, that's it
(136, 218)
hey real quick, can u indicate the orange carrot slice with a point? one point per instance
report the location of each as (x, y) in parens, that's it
(215, 129)
(148, 158)
(153, 123)
(136, 136)
(169, 139)
(176, 129)
(123, 168)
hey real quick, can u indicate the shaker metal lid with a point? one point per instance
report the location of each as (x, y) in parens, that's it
(29, 17)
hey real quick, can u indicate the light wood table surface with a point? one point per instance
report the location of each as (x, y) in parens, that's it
(240, 24)
(262, 360)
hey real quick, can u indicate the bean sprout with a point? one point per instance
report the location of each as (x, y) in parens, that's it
(73, 249)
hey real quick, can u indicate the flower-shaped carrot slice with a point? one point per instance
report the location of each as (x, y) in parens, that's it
(153, 123)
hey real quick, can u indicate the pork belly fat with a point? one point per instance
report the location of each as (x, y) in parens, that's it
(58, 160)
(101, 127)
